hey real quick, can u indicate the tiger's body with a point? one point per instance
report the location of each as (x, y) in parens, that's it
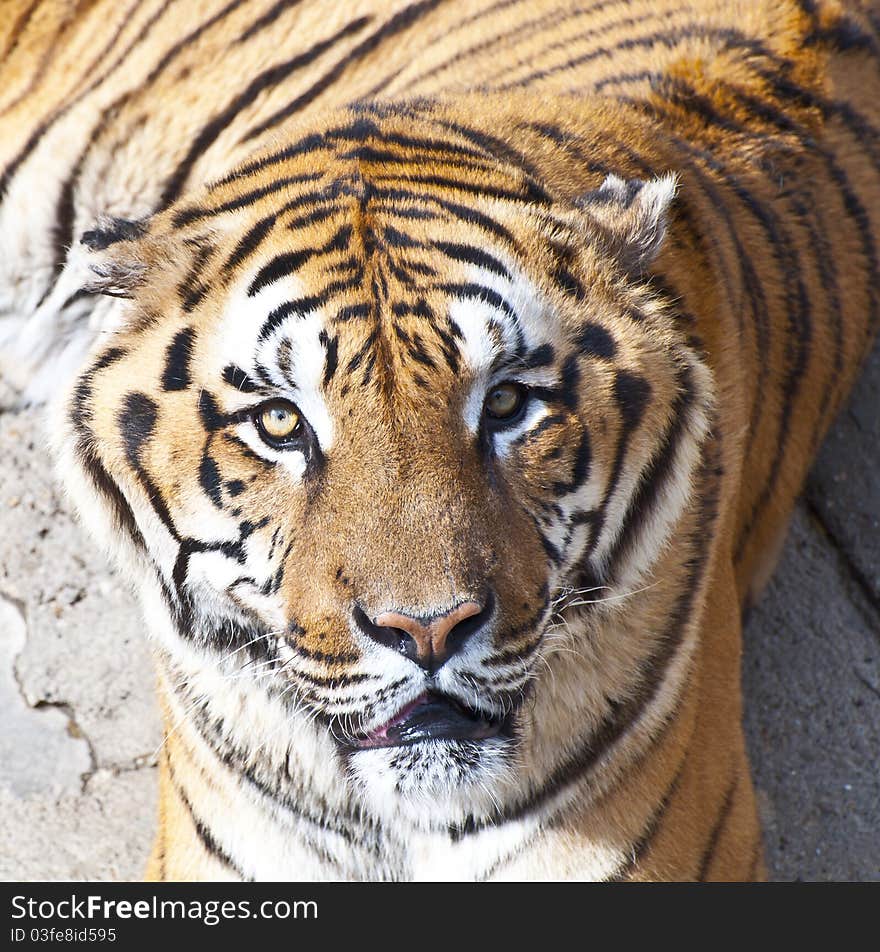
(372, 209)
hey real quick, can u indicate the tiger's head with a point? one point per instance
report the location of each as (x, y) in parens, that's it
(376, 406)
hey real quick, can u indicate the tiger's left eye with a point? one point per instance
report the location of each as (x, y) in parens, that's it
(278, 421)
(504, 401)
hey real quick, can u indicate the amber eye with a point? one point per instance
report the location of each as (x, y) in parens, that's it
(505, 401)
(278, 421)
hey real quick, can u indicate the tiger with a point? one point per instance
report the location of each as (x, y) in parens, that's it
(441, 375)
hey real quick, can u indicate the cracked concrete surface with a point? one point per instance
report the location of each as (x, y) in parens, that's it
(80, 727)
(42, 747)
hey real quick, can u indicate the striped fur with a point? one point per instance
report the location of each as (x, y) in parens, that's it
(657, 217)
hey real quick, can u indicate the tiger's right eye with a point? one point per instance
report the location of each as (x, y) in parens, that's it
(278, 423)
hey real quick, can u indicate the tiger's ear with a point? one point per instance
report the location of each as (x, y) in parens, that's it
(628, 219)
(114, 257)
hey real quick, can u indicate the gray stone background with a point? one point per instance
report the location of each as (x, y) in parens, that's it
(80, 730)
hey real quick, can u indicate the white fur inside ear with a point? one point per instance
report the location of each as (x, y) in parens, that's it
(630, 217)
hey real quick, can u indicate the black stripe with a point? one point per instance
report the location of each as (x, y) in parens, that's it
(384, 157)
(333, 681)
(358, 358)
(798, 312)
(766, 111)
(500, 149)
(17, 30)
(516, 652)
(331, 360)
(187, 216)
(102, 482)
(321, 656)
(192, 291)
(137, 422)
(688, 214)
(475, 256)
(267, 19)
(446, 183)
(40, 66)
(400, 22)
(118, 229)
(237, 378)
(173, 52)
(231, 548)
(235, 487)
(670, 37)
(469, 289)
(209, 480)
(314, 217)
(106, 488)
(580, 470)
(632, 393)
(224, 119)
(311, 143)
(798, 318)
(210, 414)
(860, 217)
(472, 216)
(656, 475)
(279, 267)
(279, 315)
(640, 848)
(570, 39)
(712, 844)
(593, 340)
(545, 423)
(65, 211)
(249, 242)
(521, 32)
(448, 151)
(82, 393)
(206, 838)
(176, 375)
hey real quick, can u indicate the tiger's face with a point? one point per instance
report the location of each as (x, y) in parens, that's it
(361, 432)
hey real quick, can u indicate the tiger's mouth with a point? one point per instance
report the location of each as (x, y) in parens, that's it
(433, 716)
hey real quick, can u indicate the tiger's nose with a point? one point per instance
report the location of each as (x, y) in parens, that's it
(429, 640)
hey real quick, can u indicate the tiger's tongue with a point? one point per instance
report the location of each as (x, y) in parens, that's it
(380, 736)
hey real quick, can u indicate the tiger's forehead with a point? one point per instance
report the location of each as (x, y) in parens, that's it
(367, 300)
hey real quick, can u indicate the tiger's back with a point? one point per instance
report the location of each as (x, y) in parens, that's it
(767, 117)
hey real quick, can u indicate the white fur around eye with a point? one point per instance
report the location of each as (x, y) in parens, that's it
(293, 460)
(504, 438)
(306, 371)
(238, 343)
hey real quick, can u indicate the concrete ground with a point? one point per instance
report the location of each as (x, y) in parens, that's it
(80, 728)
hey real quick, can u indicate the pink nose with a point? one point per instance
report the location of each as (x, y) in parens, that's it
(429, 641)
